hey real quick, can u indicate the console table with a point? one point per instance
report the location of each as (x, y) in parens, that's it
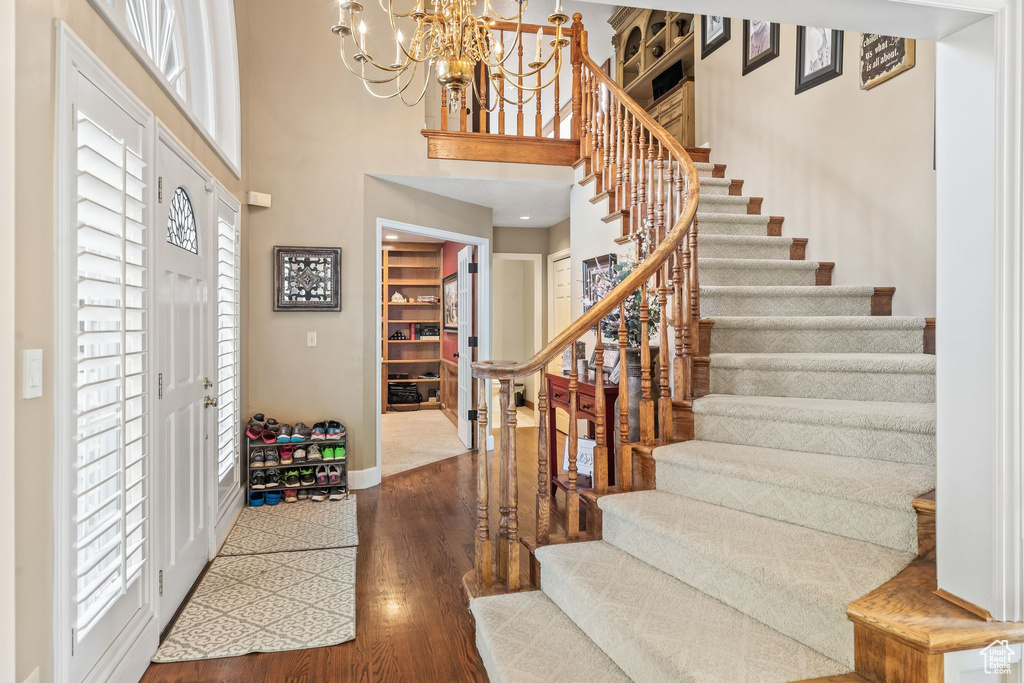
(558, 397)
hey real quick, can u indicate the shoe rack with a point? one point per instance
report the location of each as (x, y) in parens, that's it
(414, 269)
(340, 463)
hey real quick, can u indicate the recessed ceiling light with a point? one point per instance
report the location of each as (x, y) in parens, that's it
(524, 218)
(391, 237)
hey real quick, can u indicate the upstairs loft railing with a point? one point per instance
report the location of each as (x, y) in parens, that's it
(651, 182)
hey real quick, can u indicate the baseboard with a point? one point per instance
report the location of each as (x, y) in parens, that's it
(364, 479)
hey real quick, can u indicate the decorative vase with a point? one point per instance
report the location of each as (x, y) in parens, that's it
(634, 389)
(680, 28)
(657, 51)
(656, 27)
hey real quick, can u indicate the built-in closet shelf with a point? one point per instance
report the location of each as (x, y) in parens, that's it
(414, 303)
(414, 341)
(412, 283)
(415, 381)
(417, 320)
(392, 361)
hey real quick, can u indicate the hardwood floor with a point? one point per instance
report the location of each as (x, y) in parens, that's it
(412, 621)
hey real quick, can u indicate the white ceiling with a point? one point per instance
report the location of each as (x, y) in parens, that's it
(546, 202)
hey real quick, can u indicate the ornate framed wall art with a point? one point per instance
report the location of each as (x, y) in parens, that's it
(307, 279)
(819, 56)
(882, 57)
(450, 303)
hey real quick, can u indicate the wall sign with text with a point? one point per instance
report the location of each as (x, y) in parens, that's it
(882, 57)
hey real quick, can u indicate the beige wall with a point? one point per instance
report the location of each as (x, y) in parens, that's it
(520, 240)
(848, 168)
(558, 237)
(34, 243)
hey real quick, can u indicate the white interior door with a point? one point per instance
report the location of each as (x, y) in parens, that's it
(184, 257)
(465, 314)
(561, 309)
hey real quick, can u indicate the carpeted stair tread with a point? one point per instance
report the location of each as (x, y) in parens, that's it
(817, 334)
(785, 300)
(704, 169)
(890, 363)
(880, 415)
(657, 628)
(791, 578)
(714, 186)
(794, 291)
(867, 500)
(525, 638)
(877, 322)
(756, 272)
(731, 223)
(743, 246)
(727, 204)
(885, 484)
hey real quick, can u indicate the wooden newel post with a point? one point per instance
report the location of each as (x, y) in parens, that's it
(543, 477)
(483, 559)
(578, 42)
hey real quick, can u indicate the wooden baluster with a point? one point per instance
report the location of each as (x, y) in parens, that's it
(679, 324)
(595, 118)
(620, 157)
(688, 324)
(658, 194)
(503, 482)
(572, 494)
(634, 143)
(641, 190)
(508, 425)
(482, 114)
(501, 95)
(649, 197)
(599, 131)
(606, 131)
(627, 166)
(613, 154)
(600, 431)
(519, 92)
(462, 112)
(557, 119)
(695, 293)
(646, 403)
(482, 542)
(624, 475)
(584, 124)
(444, 109)
(664, 395)
(576, 55)
(538, 126)
(543, 477)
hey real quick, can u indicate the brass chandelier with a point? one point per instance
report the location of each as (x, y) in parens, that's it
(450, 40)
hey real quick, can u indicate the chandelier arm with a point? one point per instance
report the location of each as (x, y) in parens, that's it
(398, 90)
(394, 29)
(555, 54)
(361, 75)
(489, 9)
(419, 98)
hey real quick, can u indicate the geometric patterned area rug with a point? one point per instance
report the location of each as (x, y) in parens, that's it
(267, 603)
(298, 526)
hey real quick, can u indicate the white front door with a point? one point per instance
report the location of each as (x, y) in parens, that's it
(184, 263)
(465, 313)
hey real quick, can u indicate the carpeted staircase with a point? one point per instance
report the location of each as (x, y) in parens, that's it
(793, 501)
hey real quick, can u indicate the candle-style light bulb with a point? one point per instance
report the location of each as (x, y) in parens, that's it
(558, 6)
(362, 36)
(398, 49)
(540, 38)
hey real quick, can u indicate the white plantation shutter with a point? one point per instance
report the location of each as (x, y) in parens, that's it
(110, 414)
(228, 351)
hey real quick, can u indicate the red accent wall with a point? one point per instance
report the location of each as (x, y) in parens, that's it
(449, 265)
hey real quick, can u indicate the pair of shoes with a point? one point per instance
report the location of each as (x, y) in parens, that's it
(291, 496)
(318, 495)
(303, 477)
(299, 456)
(314, 454)
(335, 430)
(328, 475)
(284, 435)
(257, 480)
(304, 494)
(270, 431)
(254, 430)
(270, 457)
(338, 493)
(286, 454)
(272, 497)
(255, 499)
(269, 479)
(256, 458)
(334, 453)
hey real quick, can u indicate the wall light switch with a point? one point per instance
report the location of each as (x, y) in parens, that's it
(311, 339)
(32, 373)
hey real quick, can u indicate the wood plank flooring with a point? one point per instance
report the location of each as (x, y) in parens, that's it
(412, 621)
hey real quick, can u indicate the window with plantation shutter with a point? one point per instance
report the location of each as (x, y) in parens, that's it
(110, 412)
(228, 352)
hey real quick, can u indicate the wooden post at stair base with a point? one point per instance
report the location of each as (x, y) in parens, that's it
(646, 403)
(572, 494)
(503, 482)
(483, 559)
(576, 56)
(600, 432)
(543, 477)
(664, 397)
(624, 473)
(680, 329)
(508, 426)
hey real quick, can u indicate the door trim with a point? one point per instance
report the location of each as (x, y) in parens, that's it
(550, 290)
(365, 478)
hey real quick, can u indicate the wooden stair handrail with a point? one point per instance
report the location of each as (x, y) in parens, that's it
(508, 370)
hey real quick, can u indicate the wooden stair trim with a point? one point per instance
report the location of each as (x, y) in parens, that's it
(736, 188)
(456, 145)
(608, 194)
(614, 215)
(823, 276)
(929, 336)
(841, 678)
(798, 249)
(718, 171)
(582, 161)
(881, 301)
(906, 609)
(754, 206)
(700, 155)
(924, 506)
(775, 226)
(531, 546)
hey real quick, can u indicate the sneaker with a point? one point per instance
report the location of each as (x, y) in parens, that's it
(272, 497)
(329, 453)
(269, 436)
(339, 453)
(306, 477)
(291, 496)
(286, 455)
(285, 435)
(319, 430)
(255, 499)
(333, 429)
(270, 458)
(273, 478)
(291, 478)
(313, 454)
(303, 494)
(337, 494)
(254, 430)
(341, 430)
(300, 432)
(321, 476)
(318, 495)
(299, 456)
(257, 481)
(333, 476)
(256, 458)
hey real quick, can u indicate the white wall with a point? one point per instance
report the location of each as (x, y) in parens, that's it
(514, 314)
(850, 169)
(967, 319)
(7, 369)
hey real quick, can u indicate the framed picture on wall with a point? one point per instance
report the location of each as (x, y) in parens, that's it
(450, 303)
(882, 57)
(714, 33)
(307, 279)
(819, 56)
(597, 270)
(760, 43)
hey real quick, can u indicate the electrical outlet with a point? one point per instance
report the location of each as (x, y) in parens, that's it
(311, 339)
